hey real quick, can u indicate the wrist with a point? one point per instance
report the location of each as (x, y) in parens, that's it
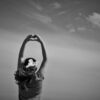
(26, 40)
(40, 41)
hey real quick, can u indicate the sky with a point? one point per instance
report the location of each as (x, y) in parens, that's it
(70, 30)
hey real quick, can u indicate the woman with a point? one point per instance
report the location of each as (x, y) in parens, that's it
(28, 78)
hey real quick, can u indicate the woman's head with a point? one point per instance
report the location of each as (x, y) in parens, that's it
(29, 60)
(30, 65)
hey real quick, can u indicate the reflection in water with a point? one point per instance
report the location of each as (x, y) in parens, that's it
(30, 86)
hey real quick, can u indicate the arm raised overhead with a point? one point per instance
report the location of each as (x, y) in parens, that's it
(37, 38)
(21, 52)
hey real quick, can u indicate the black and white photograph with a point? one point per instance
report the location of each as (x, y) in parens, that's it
(49, 49)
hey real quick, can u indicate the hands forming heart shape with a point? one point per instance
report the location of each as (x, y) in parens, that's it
(33, 38)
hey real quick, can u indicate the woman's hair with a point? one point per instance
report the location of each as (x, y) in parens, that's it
(26, 61)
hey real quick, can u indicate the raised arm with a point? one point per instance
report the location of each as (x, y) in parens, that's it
(43, 53)
(21, 52)
(44, 57)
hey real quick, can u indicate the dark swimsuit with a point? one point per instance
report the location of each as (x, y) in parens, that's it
(29, 86)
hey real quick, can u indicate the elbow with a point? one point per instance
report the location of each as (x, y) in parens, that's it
(45, 59)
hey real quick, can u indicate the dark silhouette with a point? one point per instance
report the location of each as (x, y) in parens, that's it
(28, 78)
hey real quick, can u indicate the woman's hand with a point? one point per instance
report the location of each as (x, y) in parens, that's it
(28, 38)
(32, 38)
(36, 38)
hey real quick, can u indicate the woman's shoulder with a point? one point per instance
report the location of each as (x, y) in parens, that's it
(39, 76)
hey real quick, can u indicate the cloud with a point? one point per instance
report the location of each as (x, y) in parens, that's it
(94, 19)
(70, 28)
(56, 5)
(37, 6)
(42, 18)
(81, 28)
(61, 13)
(45, 19)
